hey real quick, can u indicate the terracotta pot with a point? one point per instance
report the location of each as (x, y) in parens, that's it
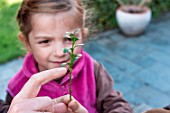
(133, 20)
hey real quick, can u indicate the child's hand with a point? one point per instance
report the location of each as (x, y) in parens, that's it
(73, 106)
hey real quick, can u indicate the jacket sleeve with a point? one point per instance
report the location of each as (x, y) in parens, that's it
(108, 100)
(4, 105)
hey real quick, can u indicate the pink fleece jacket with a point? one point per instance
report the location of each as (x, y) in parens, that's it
(84, 88)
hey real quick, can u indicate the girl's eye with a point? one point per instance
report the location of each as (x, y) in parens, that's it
(68, 39)
(44, 42)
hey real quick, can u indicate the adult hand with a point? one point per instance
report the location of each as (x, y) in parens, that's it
(157, 110)
(27, 102)
(73, 105)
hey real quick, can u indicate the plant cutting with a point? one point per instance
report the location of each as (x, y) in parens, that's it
(133, 16)
(73, 57)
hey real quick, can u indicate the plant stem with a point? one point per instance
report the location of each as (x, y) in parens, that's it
(73, 57)
(71, 68)
(70, 83)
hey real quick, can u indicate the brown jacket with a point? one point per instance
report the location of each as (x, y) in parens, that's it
(108, 100)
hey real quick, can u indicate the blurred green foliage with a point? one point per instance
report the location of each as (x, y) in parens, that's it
(2, 3)
(159, 7)
(9, 44)
(104, 11)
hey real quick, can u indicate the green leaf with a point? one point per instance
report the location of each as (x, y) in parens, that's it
(63, 64)
(71, 35)
(73, 60)
(71, 49)
(76, 38)
(74, 55)
(65, 50)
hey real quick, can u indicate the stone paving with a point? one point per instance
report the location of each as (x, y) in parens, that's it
(139, 66)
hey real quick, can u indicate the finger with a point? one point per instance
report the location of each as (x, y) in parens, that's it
(32, 105)
(41, 103)
(32, 87)
(62, 99)
(41, 112)
(76, 107)
(60, 108)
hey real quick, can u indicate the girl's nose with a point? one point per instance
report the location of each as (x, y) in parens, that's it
(58, 52)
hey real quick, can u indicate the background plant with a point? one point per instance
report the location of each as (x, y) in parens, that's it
(73, 57)
(104, 11)
(134, 2)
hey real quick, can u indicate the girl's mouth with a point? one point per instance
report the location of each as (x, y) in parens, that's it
(59, 62)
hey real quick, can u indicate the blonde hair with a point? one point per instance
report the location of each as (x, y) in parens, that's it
(29, 7)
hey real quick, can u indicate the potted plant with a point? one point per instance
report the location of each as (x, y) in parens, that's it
(133, 18)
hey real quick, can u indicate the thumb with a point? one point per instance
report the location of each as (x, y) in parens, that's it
(32, 87)
(75, 107)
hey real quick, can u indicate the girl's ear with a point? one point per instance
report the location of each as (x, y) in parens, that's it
(24, 40)
(85, 32)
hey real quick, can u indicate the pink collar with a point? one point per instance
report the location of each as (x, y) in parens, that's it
(30, 66)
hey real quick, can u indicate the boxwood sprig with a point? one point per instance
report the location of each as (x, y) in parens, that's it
(73, 56)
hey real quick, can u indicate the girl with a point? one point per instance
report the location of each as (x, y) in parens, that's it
(43, 24)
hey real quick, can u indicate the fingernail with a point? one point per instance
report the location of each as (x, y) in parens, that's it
(70, 110)
(74, 107)
(62, 68)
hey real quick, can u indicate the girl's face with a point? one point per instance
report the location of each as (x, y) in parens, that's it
(46, 41)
